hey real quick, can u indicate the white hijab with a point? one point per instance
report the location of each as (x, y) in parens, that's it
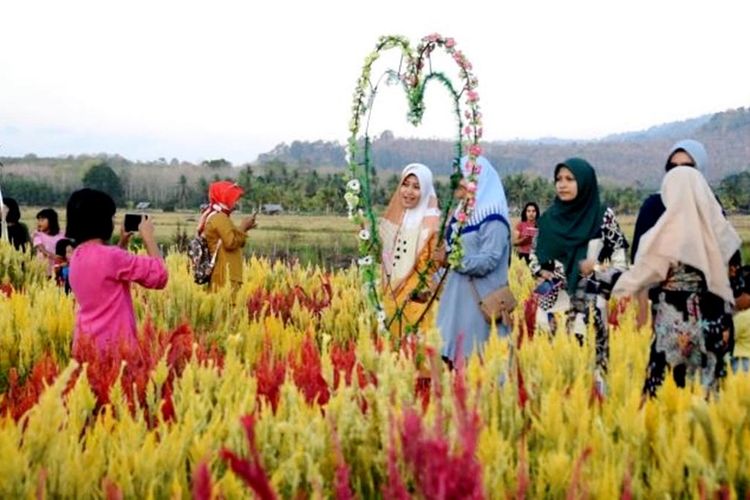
(692, 231)
(405, 231)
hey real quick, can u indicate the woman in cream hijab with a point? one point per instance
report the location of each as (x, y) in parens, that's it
(684, 260)
(408, 232)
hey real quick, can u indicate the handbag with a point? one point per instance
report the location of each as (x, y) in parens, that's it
(497, 305)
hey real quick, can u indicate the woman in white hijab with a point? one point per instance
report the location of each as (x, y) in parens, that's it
(485, 239)
(685, 258)
(408, 232)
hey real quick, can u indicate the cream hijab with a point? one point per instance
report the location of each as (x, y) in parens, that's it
(692, 230)
(404, 232)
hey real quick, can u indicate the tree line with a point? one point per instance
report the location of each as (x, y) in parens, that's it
(174, 185)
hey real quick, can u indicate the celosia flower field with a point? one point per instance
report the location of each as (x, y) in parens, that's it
(284, 391)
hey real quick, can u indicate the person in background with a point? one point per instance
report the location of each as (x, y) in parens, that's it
(18, 233)
(408, 232)
(579, 254)
(684, 261)
(224, 239)
(101, 275)
(46, 236)
(63, 253)
(739, 277)
(526, 230)
(685, 153)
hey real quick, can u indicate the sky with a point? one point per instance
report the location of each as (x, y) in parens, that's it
(152, 79)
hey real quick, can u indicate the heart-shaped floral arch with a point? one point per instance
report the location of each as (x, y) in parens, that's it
(414, 79)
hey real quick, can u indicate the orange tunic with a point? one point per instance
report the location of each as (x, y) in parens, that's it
(401, 296)
(229, 258)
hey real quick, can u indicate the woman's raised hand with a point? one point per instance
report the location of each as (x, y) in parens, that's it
(146, 229)
(248, 223)
(148, 235)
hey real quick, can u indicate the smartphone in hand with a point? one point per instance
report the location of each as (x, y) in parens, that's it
(132, 221)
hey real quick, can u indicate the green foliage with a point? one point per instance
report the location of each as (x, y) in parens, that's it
(522, 188)
(32, 192)
(101, 176)
(734, 192)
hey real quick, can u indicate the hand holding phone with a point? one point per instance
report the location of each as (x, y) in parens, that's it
(146, 229)
(249, 223)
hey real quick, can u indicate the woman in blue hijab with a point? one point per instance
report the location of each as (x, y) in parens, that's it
(486, 244)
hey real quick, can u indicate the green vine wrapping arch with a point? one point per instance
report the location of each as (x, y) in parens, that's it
(414, 79)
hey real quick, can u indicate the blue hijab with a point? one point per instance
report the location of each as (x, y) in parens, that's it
(491, 203)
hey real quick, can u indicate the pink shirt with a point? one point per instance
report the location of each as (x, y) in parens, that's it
(528, 231)
(100, 277)
(49, 243)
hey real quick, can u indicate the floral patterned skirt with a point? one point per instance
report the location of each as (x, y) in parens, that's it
(692, 334)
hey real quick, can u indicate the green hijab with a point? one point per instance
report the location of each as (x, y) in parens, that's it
(567, 226)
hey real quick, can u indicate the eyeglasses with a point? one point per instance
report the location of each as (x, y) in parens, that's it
(672, 165)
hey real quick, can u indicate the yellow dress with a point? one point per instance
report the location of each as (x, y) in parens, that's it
(229, 258)
(412, 310)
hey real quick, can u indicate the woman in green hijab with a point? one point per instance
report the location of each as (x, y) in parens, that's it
(580, 252)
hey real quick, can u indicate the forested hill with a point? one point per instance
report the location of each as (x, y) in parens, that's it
(629, 158)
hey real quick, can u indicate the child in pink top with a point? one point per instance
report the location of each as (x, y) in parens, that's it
(46, 237)
(100, 274)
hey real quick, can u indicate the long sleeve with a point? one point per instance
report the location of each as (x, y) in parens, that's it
(494, 238)
(231, 237)
(613, 253)
(148, 272)
(425, 264)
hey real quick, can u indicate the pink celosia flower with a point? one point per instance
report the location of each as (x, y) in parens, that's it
(475, 150)
(472, 96)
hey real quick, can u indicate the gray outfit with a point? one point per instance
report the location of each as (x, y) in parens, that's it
(486, 260)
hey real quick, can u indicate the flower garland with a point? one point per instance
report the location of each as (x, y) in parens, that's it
(414, 81)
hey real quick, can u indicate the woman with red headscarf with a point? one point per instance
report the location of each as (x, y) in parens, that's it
(224, 238)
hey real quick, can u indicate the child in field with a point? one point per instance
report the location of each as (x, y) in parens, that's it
(63, 251)
(46, 237)
(739, 277)
(18, 233)
(101, 274)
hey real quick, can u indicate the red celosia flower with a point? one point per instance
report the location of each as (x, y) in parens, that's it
(307, 372)
(202, 483)
(250, 469)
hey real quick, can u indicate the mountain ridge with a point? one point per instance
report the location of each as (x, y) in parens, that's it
(629, 158)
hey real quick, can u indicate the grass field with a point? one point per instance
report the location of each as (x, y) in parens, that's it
(317, 239)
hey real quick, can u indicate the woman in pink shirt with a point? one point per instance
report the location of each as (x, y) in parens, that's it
(526, 231)
(100, 274)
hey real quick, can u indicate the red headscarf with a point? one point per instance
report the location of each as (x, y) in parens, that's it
(222, 197)
(224, 194)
